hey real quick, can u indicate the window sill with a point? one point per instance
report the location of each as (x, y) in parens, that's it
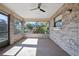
(56, 28)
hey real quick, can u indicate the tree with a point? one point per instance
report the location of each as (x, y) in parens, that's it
(29, 26)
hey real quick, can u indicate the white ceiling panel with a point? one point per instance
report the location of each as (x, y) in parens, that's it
(23, 9)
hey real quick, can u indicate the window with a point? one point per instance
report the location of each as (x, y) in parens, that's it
(18, 26)
(58, 22)
(36, 27)
(3, 23)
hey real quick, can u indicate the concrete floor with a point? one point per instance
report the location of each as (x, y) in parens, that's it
(33, 47)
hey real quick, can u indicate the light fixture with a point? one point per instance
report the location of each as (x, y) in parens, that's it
(70, 10)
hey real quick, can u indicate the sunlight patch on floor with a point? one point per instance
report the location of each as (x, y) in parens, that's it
(27, 51)
(12, 51)
(23, 51)
(32, 41)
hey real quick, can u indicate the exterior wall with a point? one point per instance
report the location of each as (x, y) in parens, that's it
(67, 37)
(13, 37)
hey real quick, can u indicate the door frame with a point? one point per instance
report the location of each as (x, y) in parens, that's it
(8, 15)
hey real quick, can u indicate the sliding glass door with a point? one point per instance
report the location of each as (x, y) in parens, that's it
(4, 30)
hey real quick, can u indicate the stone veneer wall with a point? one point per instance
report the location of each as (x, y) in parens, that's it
(14, 37)
(67, 37)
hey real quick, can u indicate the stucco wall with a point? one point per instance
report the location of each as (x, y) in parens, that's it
(67, 37)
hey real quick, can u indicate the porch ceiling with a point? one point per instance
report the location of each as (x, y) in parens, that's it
(23, 9)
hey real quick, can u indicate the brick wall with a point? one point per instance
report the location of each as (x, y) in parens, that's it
(67, 37)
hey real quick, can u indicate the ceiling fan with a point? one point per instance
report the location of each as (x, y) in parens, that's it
(39, 5)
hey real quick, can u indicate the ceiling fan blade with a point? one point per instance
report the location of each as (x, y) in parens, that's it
(34, 9)
(39, 5)
(42, 10)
